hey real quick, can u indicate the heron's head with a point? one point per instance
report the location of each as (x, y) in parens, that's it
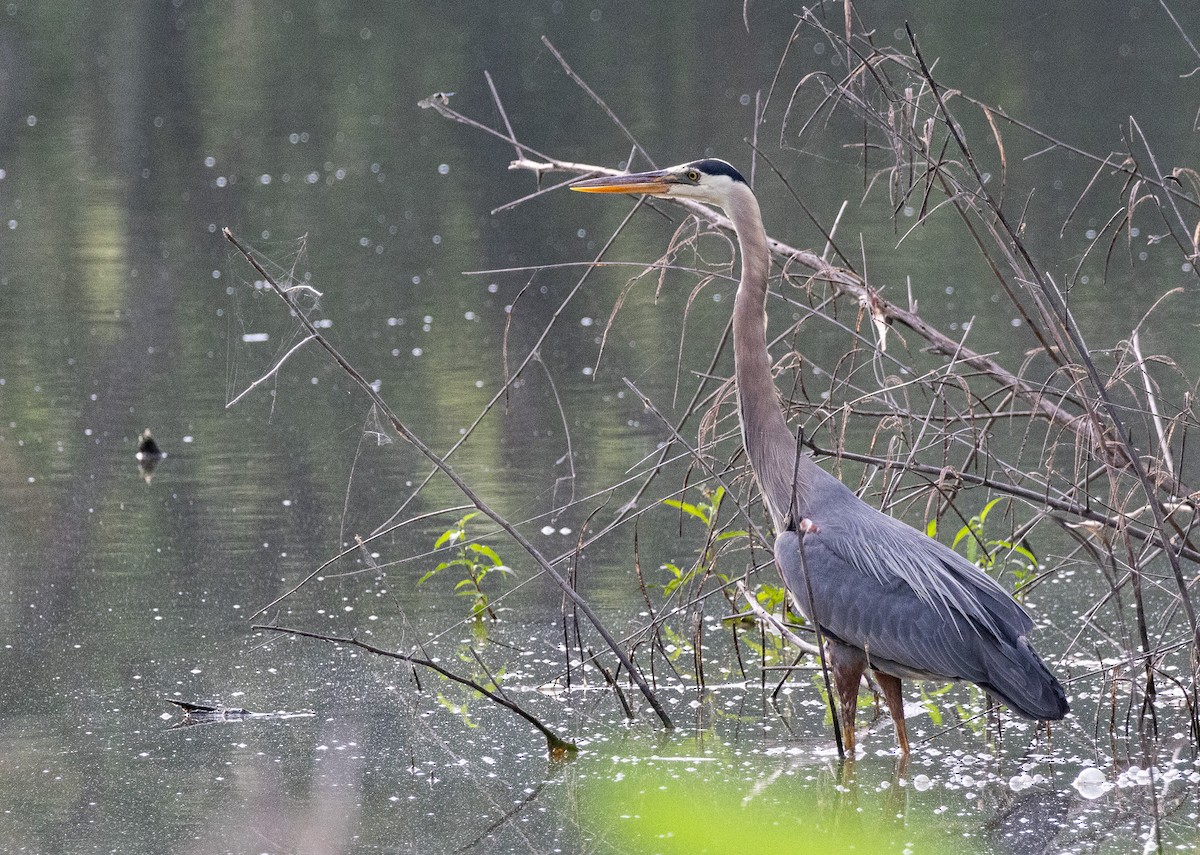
(710, 180)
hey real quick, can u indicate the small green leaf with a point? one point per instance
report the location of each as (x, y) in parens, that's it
(433, 572)
(935, 715)
(687, 508)
(483, 549)
(983, 514)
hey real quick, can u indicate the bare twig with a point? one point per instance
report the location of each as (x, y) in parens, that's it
(274, 370)
(600, 101)
(556, 745)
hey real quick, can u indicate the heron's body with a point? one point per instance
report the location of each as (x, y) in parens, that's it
(885, 595)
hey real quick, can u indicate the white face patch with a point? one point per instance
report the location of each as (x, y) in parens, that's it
(713, 189)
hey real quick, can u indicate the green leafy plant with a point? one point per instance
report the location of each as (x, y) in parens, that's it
(770, 597)
(476, 561)
(706, 511)
(931, 697)
(990, 553)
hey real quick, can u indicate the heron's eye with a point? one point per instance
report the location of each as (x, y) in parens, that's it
(693, 175)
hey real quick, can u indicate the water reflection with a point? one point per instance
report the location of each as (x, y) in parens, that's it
(1028, 822)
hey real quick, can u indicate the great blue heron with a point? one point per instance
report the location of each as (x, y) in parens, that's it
(884, 595)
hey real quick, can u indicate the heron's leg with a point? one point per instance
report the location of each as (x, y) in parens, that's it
(895, 701)
(848, 665)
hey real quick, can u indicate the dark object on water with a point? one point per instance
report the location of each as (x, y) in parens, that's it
(147, 448)
(883, 595)
(148, 455)
(194, 713)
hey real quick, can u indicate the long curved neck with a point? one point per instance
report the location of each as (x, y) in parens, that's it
(769, 442)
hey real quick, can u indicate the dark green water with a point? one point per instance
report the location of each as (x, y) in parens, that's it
(130, 136)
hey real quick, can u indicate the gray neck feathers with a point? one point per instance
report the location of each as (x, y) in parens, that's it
(770, 444)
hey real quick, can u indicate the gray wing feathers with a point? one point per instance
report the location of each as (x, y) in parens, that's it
(915, 607)
(885, 548)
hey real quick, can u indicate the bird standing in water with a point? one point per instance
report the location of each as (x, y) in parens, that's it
(884, 595)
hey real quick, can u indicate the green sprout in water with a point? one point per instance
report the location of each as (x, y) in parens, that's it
(476, 561)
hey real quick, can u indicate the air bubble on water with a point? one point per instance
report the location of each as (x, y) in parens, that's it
(1017, 783)
(1091, 783)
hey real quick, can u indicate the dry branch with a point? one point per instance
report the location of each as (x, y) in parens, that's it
(557, 747)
